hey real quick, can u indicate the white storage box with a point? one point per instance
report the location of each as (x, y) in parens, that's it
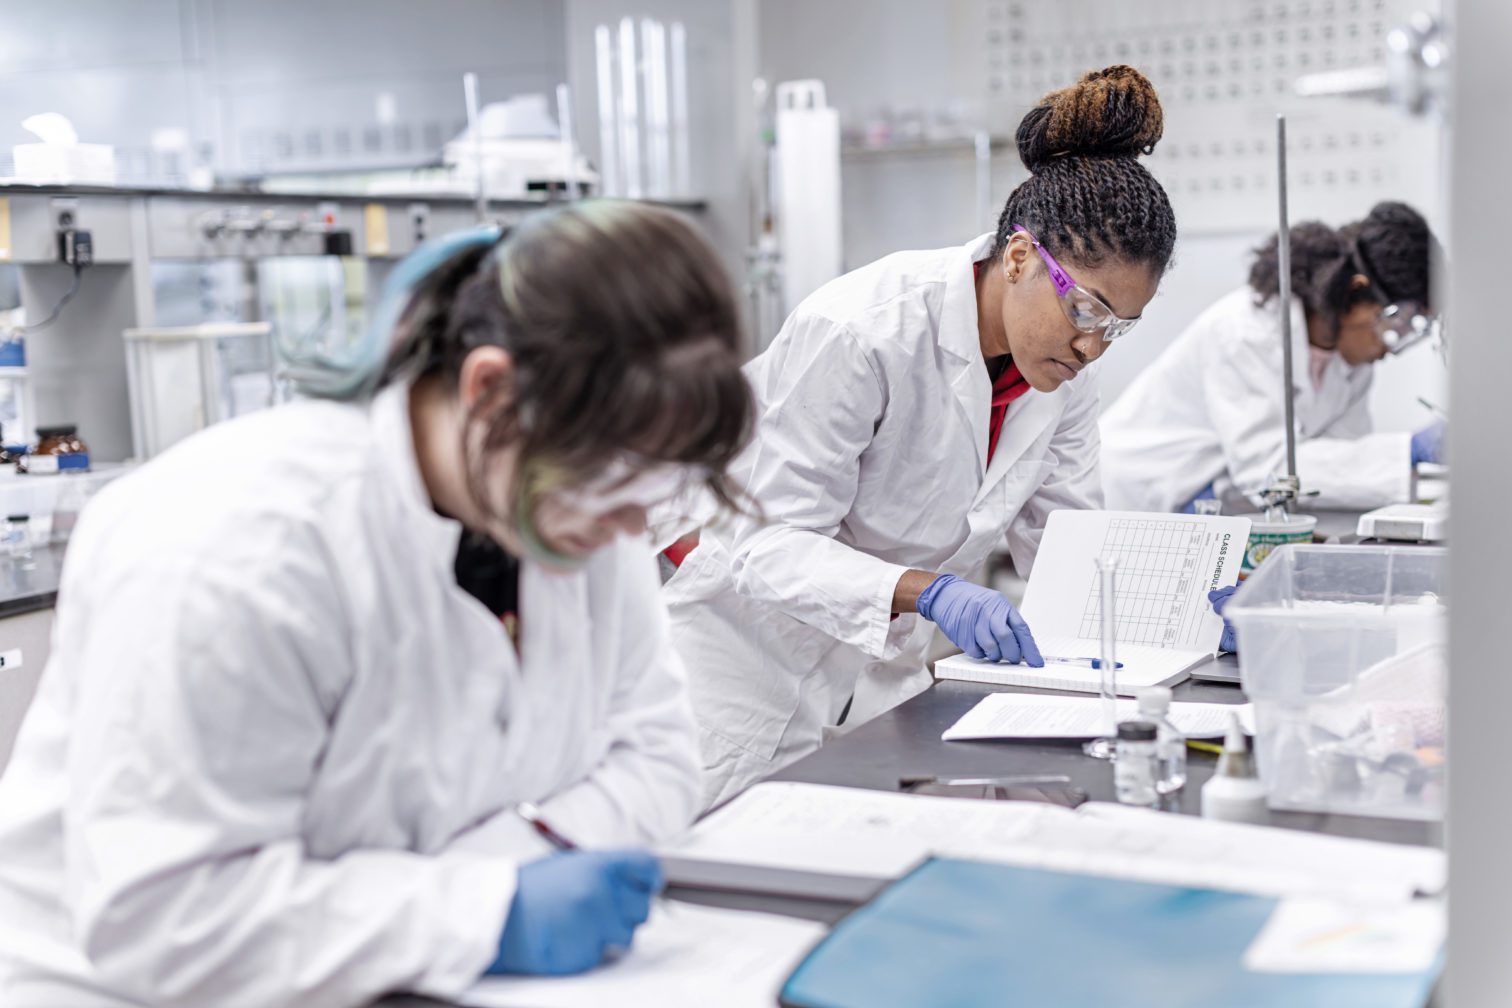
(64, 164)
(1342, 650)
(186, 378)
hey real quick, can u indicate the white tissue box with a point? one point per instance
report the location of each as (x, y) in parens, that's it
(45, 163)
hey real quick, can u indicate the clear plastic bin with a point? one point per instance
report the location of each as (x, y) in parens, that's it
(1342, 650)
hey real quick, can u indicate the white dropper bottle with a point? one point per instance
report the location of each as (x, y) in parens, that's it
(1234, 793)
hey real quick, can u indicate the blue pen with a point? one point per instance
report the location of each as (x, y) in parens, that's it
(1089, 662)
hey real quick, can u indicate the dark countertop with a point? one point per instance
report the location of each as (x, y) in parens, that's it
(28, 587)
(906, 740)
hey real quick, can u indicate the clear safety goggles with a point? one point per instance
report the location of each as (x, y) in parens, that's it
(1404, 325)
(1085, 310)
(629, 481)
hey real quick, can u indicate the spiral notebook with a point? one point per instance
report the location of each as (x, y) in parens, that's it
(1167, 564)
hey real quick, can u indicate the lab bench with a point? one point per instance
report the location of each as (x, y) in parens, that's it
(28, 591)
(906, 740)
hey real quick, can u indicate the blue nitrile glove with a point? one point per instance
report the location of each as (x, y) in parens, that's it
(979, 621)
(1219, 597)
(1206, 493)
(571, 908)
(1428, 443)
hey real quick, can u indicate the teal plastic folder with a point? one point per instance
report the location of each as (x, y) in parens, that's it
(966, 934)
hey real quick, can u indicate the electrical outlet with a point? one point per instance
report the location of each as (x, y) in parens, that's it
(75, 247)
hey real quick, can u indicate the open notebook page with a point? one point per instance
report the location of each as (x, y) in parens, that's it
(685, 956)
(1166, 566)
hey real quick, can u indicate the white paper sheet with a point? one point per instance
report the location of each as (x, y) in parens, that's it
(1321, 936)
(1037, 715)
(822, 828)
(1146, 845)
(685, 955)
(818, 827)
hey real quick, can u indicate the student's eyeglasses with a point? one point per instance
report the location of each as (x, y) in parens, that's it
(1085, 310)
(1405, 324)
(1401, 325)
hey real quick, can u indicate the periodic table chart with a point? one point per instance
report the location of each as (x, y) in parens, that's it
(1224, 68)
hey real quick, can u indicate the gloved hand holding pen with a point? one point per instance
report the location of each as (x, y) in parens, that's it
(979, 621)
(572, 907)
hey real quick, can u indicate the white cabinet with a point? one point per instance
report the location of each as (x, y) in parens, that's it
(31, 635)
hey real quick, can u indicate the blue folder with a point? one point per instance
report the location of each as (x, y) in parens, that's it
(966, 934)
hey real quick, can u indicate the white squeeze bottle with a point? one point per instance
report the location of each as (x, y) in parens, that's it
(1235, 793)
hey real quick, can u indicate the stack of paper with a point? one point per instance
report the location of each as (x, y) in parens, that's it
(1040, 716)
(814, 839)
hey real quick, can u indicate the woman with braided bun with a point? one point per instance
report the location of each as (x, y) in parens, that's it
(912, 415)
(1207, 418)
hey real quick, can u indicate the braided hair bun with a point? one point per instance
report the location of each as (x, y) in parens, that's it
(1088, 198)
(1113, 112)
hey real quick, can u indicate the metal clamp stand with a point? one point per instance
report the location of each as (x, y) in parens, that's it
(1282, 495)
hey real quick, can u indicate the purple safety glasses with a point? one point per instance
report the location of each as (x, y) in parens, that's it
(1085, 310)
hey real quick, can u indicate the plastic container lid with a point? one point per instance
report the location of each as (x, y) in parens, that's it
(57, 430)
(1136, 731)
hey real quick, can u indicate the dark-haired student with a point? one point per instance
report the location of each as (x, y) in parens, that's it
(913, 415)
(311, 661)
(1207, 417)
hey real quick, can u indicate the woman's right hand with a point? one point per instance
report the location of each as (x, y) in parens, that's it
(570, 909)
(979, 621)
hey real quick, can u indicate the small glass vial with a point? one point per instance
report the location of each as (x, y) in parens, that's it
(1170, 744)
(18, 542)
(1135, 766)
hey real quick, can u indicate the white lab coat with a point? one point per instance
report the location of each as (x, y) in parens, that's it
(1210, 410)
(273, 754)
(870, 458)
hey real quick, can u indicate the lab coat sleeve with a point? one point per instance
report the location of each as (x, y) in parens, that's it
(1246, 405)
(203, 700)
(820, 403)
(1074, 481)
(646, 788)
(1351, 467)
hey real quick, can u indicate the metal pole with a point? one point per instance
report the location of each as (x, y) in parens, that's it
(1283, 256)
(470, 94)
(982, 145)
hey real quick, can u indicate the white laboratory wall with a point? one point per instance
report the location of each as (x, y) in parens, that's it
(270, 84)
(722, 124)
(898, 62)
(306, 84)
